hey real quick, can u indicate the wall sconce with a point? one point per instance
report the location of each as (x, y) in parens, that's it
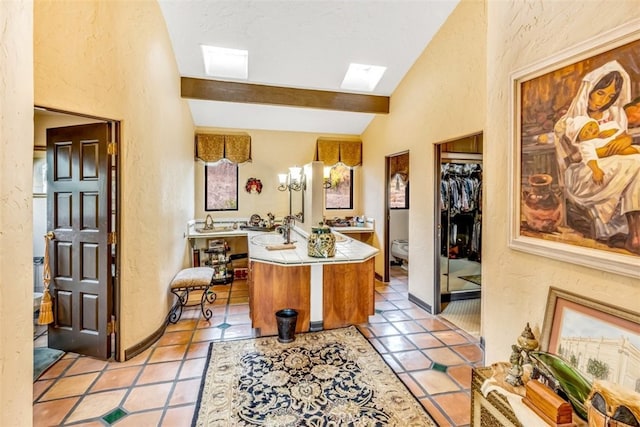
(294, 180)
(327, 177)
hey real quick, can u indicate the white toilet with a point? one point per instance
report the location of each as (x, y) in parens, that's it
(400, 251)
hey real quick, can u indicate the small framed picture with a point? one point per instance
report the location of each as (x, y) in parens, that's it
(600, 340)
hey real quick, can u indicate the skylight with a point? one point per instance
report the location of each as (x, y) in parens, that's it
(362, 77)
(224, 62)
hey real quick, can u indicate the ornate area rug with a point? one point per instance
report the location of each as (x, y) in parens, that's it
(333, 377)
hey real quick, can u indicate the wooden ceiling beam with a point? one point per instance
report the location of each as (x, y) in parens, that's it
(216, 90)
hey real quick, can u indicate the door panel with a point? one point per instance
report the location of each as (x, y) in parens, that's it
(78, 213)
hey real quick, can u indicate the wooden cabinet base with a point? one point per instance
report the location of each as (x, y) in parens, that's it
(348, 293)
(272, 288)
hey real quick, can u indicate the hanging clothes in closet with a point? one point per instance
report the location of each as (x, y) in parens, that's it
(461, 205)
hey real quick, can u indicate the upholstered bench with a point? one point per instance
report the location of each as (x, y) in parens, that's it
(189, 280)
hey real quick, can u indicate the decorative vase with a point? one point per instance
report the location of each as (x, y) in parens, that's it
(322, 242)
(527, 342)
(542, 208)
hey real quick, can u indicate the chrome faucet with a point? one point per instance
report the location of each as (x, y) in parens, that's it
(285, 229)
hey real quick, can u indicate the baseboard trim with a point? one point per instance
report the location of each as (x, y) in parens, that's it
(378, 277)
(316, 326)
(136, 349)
(423, 305)
(459, 296)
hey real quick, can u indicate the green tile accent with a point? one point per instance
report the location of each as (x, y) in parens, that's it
(438, 367)
(224, 325)
(114, 415)
(379, 311)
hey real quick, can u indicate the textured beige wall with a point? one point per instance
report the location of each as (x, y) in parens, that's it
(16, 270)
(446, 95)
(521, 34)
(114, 60)
(273, 152)
(441, 98)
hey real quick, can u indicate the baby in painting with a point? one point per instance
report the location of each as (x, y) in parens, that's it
(591, 136)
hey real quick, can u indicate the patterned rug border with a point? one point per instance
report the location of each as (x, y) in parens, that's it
(351, 327)
(194, 420)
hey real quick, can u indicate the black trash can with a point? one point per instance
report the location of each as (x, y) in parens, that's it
(286, 319)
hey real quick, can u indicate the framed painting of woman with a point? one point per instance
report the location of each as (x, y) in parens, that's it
(576, 154)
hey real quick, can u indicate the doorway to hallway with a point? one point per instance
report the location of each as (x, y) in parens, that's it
(396, 242)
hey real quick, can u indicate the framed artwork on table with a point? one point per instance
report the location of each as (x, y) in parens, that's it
(575, 154)
(600, 340)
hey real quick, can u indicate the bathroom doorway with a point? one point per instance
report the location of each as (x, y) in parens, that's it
(397, 208)
(76, 142)
(458, 219)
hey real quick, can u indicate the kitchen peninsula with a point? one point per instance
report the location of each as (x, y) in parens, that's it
(326, 292)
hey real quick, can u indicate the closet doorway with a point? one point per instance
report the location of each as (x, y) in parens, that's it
(459, 227)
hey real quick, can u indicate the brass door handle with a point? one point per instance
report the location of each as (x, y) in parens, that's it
(50, 235)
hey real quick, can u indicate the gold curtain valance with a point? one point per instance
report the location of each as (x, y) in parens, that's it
(213, 147)
(332, 151)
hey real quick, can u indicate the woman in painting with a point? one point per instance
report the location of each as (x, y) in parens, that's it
(614, 204)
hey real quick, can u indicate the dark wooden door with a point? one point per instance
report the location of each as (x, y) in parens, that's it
(78, 213)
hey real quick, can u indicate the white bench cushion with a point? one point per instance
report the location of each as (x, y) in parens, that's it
(190, 277)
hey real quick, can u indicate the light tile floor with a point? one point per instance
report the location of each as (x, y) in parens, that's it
(160, 386)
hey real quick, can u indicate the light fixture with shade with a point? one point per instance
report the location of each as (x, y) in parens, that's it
(326, 182)
(293, 181)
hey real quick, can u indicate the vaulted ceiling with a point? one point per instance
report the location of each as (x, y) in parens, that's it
(299, 52)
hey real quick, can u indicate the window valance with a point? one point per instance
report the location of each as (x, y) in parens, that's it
(399, 165)
(213, 147)
(332, 151)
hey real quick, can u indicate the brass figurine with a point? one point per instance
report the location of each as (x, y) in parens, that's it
(527, 343)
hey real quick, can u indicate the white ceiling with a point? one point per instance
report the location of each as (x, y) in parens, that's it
(301, 44)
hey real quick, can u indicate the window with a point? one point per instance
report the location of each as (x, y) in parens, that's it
(340, 195)
(221, 186)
